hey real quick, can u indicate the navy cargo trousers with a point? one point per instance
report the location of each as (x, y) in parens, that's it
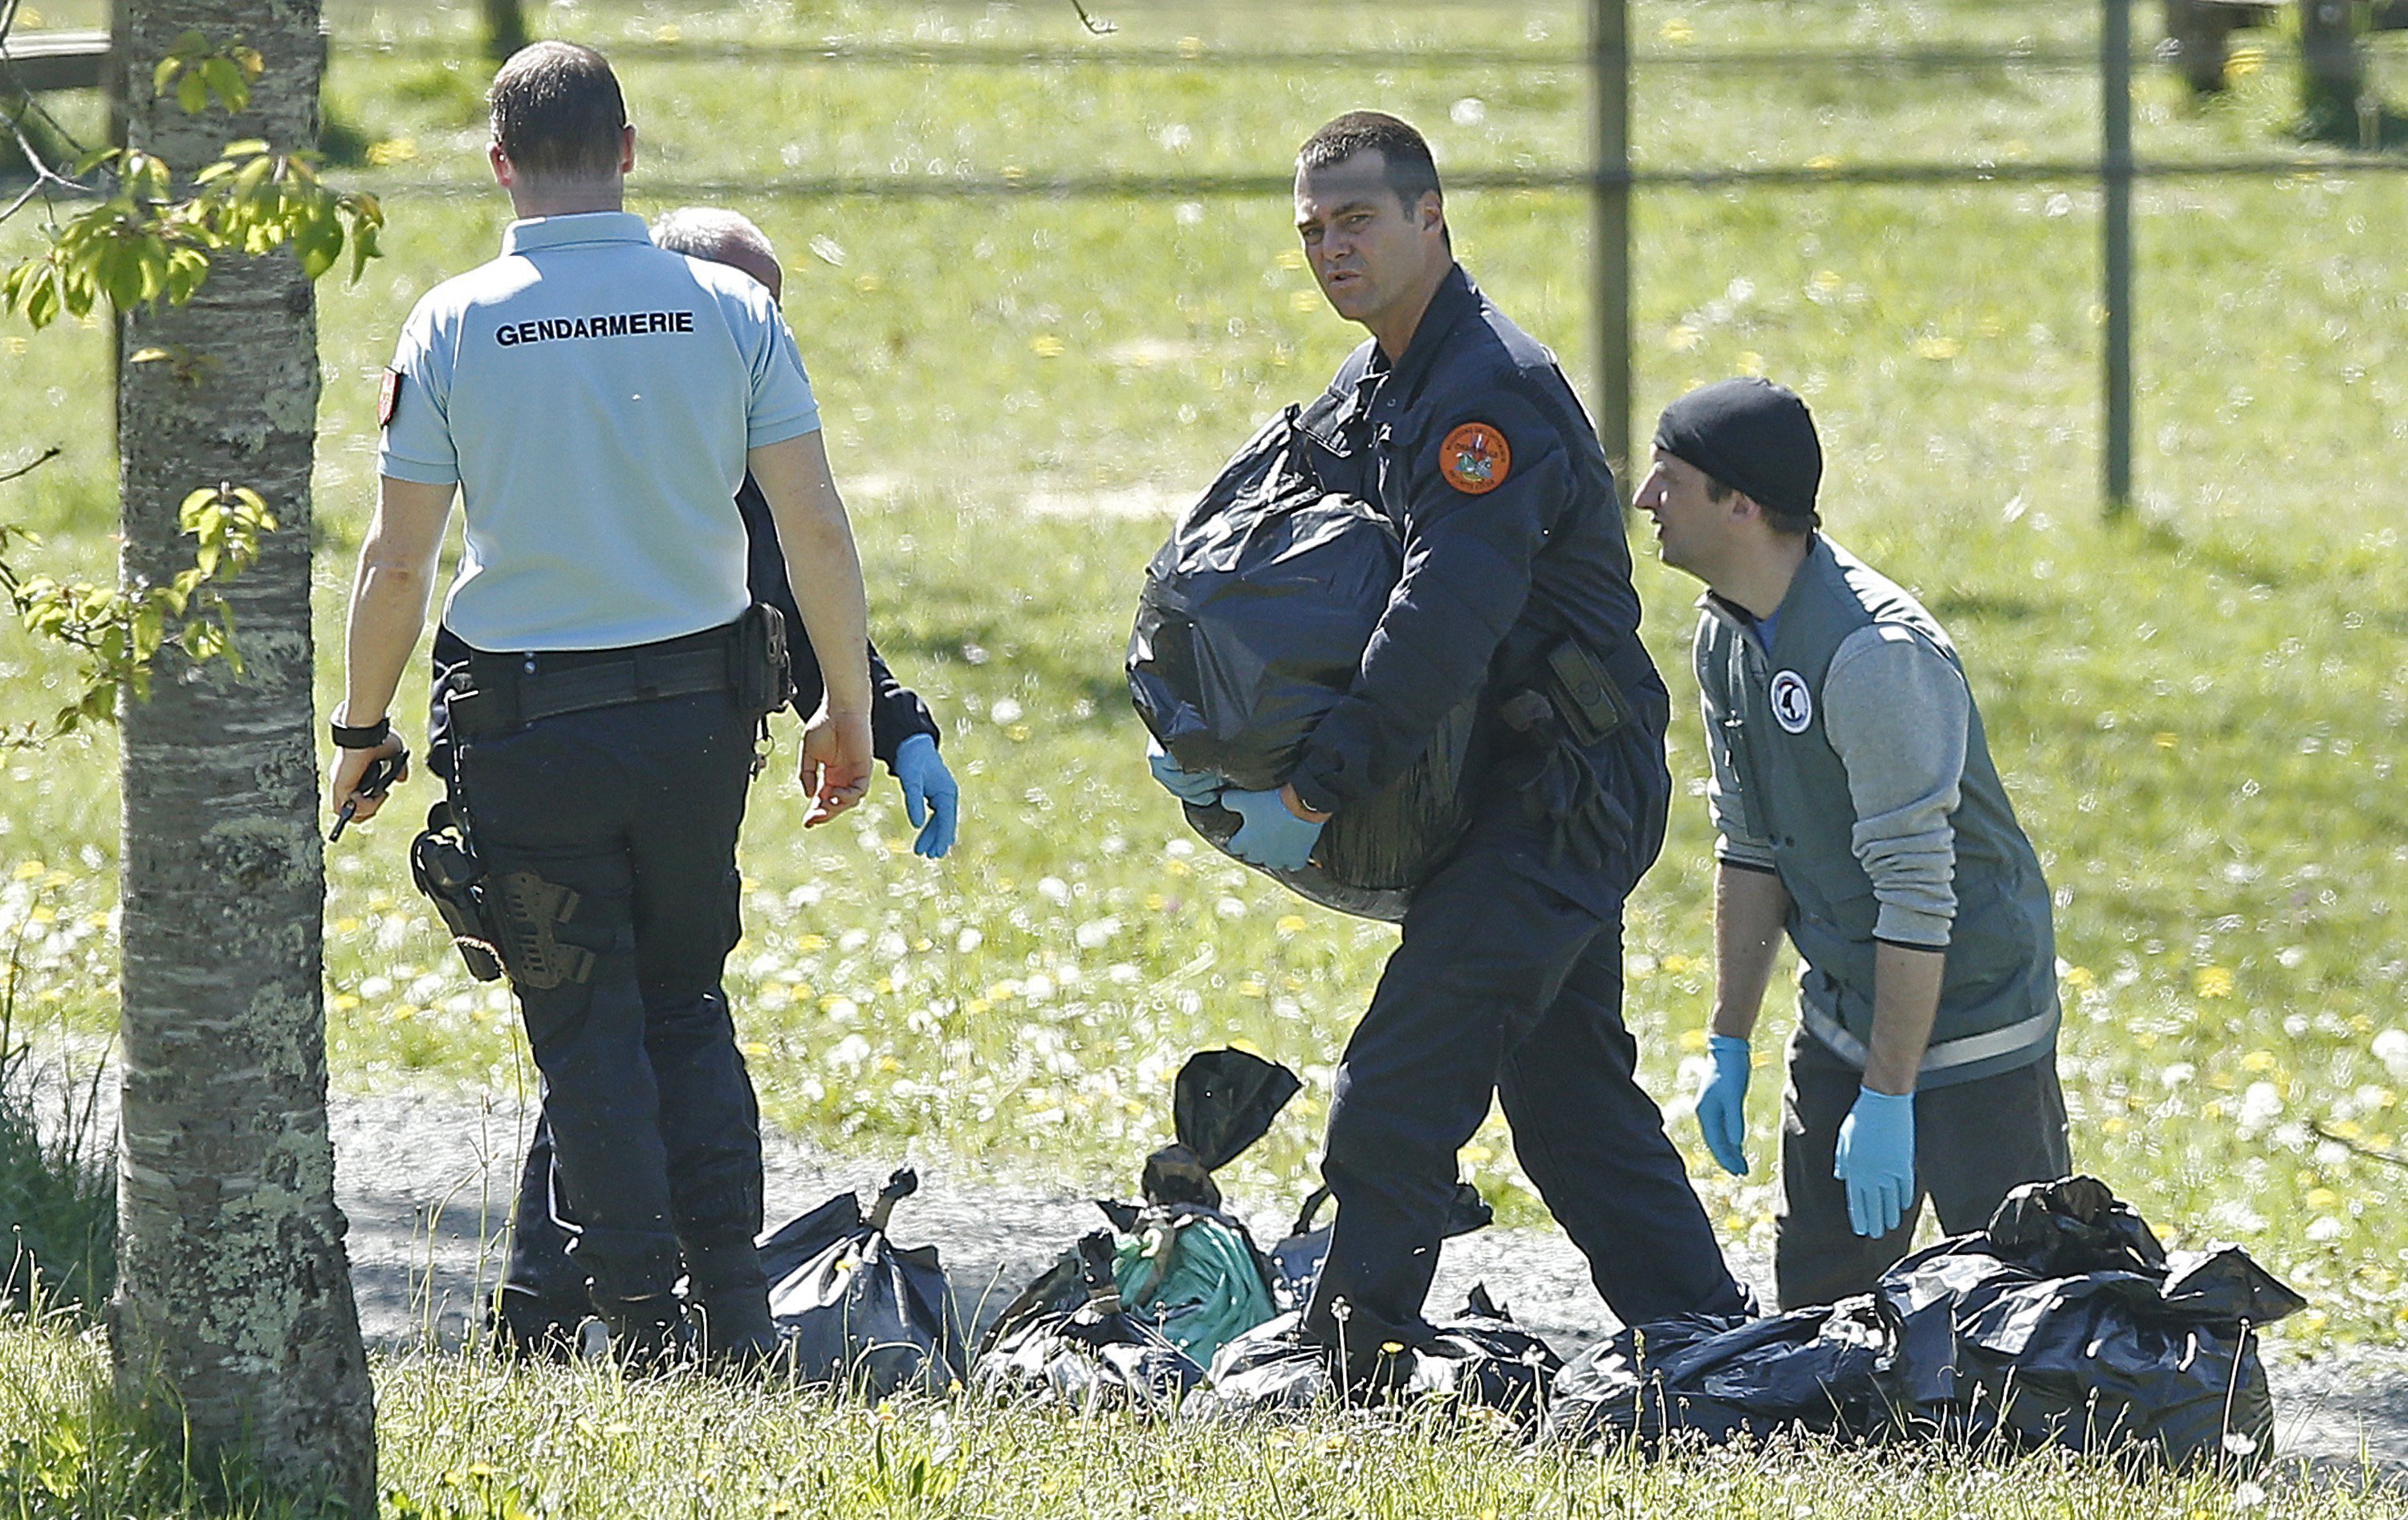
(649, 1108)
(1503, 985)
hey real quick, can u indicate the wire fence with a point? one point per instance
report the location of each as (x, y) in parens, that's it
(1610, 177)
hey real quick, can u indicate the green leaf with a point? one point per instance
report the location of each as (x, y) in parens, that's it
(193, 94)
(149, 625)
(253, 175)
(163, 75)
(245, 147)
(225, 80)
(43, 304)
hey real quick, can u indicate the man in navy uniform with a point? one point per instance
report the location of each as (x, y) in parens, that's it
(1508, 982)
(543, 1297)
(1856, 808)
(596, 402)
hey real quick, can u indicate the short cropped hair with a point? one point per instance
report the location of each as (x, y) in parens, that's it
(1788, 525)
(558, 113)
(1411, 172)
(706, 231)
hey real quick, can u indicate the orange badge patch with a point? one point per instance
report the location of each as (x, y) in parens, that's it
(1474, 459)
(388, 397)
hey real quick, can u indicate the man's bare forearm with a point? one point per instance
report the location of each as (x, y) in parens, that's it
(1906, 999)
(823, 565)
(1750, 909)
(390, 594)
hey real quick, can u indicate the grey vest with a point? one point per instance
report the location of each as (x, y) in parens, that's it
(1998, 1001)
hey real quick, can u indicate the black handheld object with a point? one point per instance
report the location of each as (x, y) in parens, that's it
(376, 783)
(448, 871)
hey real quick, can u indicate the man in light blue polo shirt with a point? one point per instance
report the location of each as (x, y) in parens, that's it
(596, 401)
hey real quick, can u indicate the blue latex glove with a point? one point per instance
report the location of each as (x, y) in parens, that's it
(1876, 1159)
(1272, 836)
(1195, 786)
(930, 794)
(1722, 1104)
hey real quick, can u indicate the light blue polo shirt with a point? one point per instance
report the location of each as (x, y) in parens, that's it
(594, 397)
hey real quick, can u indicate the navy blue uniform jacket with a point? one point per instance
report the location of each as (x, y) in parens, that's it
(1493, 578)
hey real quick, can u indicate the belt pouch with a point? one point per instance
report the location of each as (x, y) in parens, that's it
(1584, 692)
(483, 698)
(758, 669)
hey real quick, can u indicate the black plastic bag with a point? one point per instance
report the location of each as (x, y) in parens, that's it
(1090, 1356)
(856, 1310)
(1717, 1376)
(1297, 1259)
(2064, 1323)
(1251, 627)
(1480, 1358)
(2067, 1324)
(1185, 1267)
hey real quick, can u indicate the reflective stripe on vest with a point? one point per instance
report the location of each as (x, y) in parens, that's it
(2008, 1039)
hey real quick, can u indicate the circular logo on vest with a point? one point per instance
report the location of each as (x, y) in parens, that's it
(1793, 705)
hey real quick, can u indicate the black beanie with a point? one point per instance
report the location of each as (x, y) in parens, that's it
(1752, 435)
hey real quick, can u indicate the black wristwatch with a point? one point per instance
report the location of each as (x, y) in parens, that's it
(365, 736)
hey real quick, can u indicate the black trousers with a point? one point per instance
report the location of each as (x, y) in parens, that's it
(1974, 1142)
(1503, 987)
(650, 1108)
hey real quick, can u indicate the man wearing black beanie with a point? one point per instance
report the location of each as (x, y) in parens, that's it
(1857, 806)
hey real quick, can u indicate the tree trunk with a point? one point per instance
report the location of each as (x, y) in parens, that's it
(234, 1319)
(506, 30)
(2332, 70)
(2197, 33)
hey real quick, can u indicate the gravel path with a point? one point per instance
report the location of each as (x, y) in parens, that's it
(427, 1178)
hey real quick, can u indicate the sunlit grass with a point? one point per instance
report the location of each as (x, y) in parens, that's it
(469, 1438)
(2198, 716)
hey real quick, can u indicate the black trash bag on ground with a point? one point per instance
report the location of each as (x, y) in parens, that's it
(1717, 1376)
(2067, 1324)
(1250, 626)
(1095, 1354)
(854, 1309)
(1479, 1358)
(1297, 1259)
(1181, 1264)
(2064, 1323)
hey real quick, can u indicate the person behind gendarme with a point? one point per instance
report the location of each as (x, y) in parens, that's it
(1856, 805)
(596, 401)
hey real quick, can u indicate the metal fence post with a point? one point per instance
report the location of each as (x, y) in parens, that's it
(1609, 262)
(2116, 174)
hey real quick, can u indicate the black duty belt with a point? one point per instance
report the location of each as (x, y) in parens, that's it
(503, 693)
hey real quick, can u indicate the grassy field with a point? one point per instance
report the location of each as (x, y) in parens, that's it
(2199, 715)
(455, 1445)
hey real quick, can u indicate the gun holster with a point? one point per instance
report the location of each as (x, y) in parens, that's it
(1571, 704)
(759, 671)
(448, 871)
